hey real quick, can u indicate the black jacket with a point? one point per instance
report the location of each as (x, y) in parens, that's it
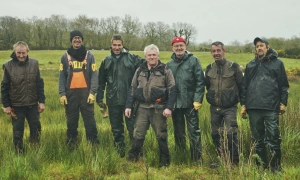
(265, 84)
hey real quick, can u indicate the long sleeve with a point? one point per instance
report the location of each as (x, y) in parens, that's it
(101, 82)
(199, 82)
(5, 85)
(131, 91)
(94, 75)
(62, 82)
(283, 85)
(172, 95)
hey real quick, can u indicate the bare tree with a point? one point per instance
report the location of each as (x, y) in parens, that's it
(131, 28)
(188, 31)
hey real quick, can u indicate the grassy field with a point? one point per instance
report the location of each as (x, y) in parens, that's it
(51, 159)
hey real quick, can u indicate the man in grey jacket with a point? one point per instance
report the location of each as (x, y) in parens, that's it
(153, 87)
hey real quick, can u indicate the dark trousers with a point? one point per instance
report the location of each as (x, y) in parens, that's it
(227, 117)
(192, 120)
(116, 115)
(264, 126)
(33, 118)
(77, 101)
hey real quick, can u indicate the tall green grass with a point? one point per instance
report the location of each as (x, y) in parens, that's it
(52, 160)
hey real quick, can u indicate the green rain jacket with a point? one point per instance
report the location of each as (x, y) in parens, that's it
(189, 79)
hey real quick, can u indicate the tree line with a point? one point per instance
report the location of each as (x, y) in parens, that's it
(53, 32)
(288, 48)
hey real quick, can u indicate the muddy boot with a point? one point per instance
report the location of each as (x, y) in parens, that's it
(135, 152)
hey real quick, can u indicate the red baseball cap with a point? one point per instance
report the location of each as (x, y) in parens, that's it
(178, 39)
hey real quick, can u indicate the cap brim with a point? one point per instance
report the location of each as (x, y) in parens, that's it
(256, 40)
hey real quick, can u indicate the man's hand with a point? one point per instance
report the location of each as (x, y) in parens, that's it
(91, 99)
(63, 100)
(41, 107)
(197, 105)
(6, 110)
(167, 113)
(10, 111)
(243, 112)
(101, 105)
(282, 109)
(127, 112)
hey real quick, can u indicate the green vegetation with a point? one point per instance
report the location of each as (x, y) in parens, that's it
(51, 159)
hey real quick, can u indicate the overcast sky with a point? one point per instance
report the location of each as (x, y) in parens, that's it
(215, 20)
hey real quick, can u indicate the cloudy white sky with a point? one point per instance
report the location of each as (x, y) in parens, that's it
(215, 20)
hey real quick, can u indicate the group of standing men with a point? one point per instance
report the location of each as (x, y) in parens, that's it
(148, 91)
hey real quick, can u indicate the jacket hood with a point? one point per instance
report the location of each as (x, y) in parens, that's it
(271, 54)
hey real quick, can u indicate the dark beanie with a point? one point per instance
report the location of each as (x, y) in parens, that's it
(75, 33)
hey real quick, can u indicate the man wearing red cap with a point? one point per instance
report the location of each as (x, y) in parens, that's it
(189, 79)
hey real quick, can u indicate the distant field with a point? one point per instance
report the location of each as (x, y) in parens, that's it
(51, 58)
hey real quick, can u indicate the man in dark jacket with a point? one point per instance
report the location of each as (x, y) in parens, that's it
(115, 74)
(78, 83)
(22, 91)
(189, 79)
(153, 87)
(223, 80)
(264, 97)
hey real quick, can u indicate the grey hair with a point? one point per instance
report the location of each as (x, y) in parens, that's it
(21, 43)
(151, 47)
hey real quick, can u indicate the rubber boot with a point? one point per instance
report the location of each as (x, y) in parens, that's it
(276, 161)
(164, 155)
(233, 148)
(262, 153)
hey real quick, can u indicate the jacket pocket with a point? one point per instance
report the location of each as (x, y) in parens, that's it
(229, 98)
(138, 95)
(156, 94)
(210, 97)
